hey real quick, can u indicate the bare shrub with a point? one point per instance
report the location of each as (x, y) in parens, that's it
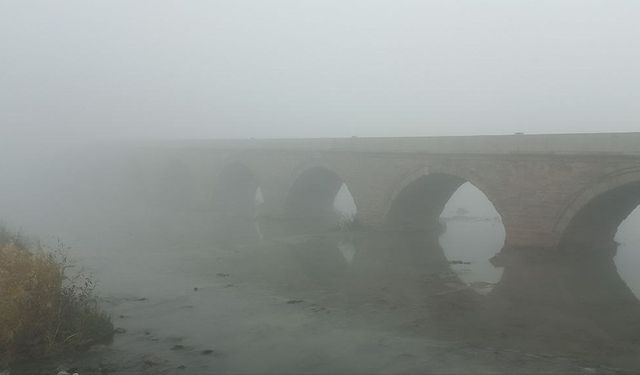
(43, 310)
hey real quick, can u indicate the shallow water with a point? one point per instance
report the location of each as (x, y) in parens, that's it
(474, 242)
(338, 302)
(372, 302)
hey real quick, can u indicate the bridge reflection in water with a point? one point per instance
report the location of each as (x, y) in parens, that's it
(564, 302)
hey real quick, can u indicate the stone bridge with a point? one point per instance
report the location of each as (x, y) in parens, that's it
(550, 190)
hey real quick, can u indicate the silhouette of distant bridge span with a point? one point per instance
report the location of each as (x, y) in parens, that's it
(570, 189)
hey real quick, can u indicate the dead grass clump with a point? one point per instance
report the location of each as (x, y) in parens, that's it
(42, 310)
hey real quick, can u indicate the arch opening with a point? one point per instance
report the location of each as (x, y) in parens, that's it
(627, 258)
(460, 218)
(608, 227)
(419, 204)
(595, 225)
(319, 201)
(473, 234)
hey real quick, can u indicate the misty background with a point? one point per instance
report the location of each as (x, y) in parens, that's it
(85, 83)
(80, 69)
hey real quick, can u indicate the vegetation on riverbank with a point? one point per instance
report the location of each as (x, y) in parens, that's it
(45, 308)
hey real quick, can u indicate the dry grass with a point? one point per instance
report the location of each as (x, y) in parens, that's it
(43, 311)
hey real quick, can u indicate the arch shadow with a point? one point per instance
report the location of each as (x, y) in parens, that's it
(416, 210)
(580, 279)
(591, 220)
(417, 202)
(309, 203)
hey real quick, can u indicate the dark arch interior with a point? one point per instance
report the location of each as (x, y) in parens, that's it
(419, 204)
(310, 203)
(590, 268)
(465, 231)
(235, 193)
(596, 224)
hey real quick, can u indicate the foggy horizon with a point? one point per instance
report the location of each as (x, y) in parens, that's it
(288, 69)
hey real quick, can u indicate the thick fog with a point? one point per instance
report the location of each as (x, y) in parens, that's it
(515, 254)
(330, 68)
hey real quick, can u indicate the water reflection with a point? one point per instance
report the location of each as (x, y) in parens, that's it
(582, 295)
(469, 244)
(557, 297)
(556, 302)
(627, 258)
(394, 266)
(473, 234)
(348, 250)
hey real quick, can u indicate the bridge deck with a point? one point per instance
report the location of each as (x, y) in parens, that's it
(558, 144)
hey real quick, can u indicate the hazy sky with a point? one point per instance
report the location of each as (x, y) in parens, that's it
(296, 68)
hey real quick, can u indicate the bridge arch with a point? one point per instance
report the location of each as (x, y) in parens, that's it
(592, 218)
(455, 221)
(312, 196)
(432, 185)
